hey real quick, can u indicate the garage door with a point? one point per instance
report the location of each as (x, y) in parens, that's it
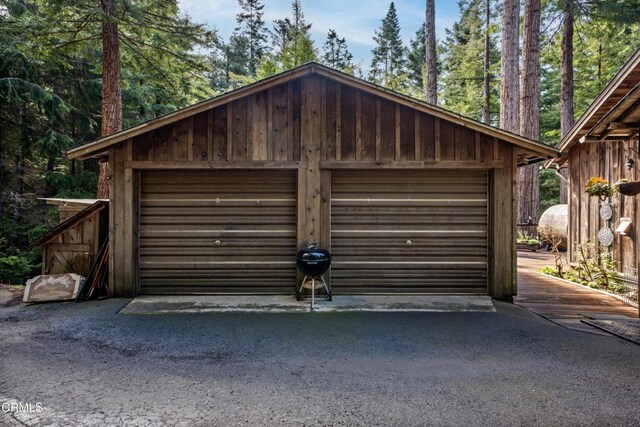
(217, 232)
(409, 231)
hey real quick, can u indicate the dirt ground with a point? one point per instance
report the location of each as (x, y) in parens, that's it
(10, 295)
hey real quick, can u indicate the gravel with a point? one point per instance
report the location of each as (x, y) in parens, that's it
(85, 364)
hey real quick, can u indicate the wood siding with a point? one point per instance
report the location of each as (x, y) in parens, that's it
(314, 126)
(606, 160)
(409, 231)
(74, 250)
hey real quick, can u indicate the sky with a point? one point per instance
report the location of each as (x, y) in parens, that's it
(356, 21)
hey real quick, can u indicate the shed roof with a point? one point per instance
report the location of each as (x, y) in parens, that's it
(98, 205)
(536, 151)
(615, 113)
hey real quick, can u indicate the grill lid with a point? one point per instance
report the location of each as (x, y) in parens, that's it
(313, 261)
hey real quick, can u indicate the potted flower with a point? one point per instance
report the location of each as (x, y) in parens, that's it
(628, 188)
(600, 188)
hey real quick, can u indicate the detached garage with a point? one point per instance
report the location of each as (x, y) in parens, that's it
(218, 197)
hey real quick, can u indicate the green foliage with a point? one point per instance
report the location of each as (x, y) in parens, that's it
(550, 271)
(462, 78)
(251, 28)
(594, 265)
(549, 189)
(15, 269)
(388, 62)
(80, 186)
(336, 53)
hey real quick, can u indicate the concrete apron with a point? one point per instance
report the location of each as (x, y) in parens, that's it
(288, 304)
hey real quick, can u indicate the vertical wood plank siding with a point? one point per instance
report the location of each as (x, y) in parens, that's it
(303, 123)
(607, 160)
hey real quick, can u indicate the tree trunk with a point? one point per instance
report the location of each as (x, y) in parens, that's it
(111, 86)
(509, 82)
(18, 186)
(430, 54)
(566, 82)
(486, 111)
(529, 176)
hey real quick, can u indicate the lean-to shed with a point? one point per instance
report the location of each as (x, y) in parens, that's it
(409, 198)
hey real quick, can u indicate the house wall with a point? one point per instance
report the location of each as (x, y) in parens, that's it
(606, 160)
(313, 125)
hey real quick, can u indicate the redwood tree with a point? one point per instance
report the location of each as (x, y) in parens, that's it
(566, 81)
(509, 82)
(430, 54)
(486, 110)
(111, 86)
(529, 176)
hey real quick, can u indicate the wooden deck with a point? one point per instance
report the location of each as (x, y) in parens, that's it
(563, 303)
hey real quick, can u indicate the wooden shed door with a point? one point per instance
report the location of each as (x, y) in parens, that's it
(409, 231)
(217, 232)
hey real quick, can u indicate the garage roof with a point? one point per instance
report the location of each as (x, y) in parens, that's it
(535, 151)
(615, 113)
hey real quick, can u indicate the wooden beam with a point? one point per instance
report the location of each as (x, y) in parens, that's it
(437, 139)
(358, 126)
(189, 140)
(236, 164)
(398, 133)
(408, 164)
(623, 125)
(594, 140)
(378, 130)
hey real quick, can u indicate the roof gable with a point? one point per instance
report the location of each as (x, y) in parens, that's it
(620, 97)
(537, 150)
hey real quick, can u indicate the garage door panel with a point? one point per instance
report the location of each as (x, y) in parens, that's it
(421, 231)
(223, 235)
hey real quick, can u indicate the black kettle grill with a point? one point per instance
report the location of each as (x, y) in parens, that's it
(313, 262)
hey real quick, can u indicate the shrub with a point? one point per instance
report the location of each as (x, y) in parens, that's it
(15, 269)
(618, 289)
(550, 271)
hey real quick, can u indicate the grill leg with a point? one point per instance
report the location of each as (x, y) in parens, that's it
(326, 287)
(313, 293)
(299, 296)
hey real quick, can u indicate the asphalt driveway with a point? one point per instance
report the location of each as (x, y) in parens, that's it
(87, 365)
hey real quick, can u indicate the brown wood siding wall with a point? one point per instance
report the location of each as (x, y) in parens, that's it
(313, 125)
(606, 160)
(75, 249)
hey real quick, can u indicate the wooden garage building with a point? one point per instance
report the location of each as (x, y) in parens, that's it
(599, 144)
(219, 196)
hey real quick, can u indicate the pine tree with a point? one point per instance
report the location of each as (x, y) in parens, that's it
(251, 27)
(292, 44)
(388, 62)
(299, 47)
(416, 62)
(152, 33)
(336, 53)
(463, 63)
